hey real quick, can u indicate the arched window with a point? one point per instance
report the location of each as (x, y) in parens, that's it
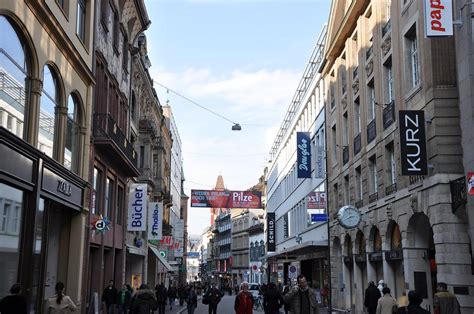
(396, 239)
(13, 73)
(377, 241)
(134, 107)
(71, 144)
(47, 116)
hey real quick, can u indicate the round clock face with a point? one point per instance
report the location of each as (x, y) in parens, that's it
(349, 217)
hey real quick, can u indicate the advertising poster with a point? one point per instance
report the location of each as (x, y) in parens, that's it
(226, 199)
(137, 207)
(155, 221)
(316, 200)
(303, 154)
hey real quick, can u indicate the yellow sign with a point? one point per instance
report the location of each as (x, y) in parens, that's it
(136, 281)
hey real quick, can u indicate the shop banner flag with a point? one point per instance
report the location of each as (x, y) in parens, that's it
(320, 172)
(316, 200)
(271, 236)
(303, 154)
(226, 199)
(155, 221)
(137, 207)
(412, 143)
(438, 18)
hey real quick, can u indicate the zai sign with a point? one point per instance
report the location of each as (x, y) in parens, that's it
(438, 18)
(412, 143)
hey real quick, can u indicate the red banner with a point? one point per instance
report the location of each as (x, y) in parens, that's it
(316, 200)
(226, 199)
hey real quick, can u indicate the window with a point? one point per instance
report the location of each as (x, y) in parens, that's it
(356, 117)
(347, 196)
(96, 190)
(72, 134)
(334, 145)
(332, 95)
(359, 189)
(142, 156)
(13, 74)
(125, 51)
(345, 125)
(116, 30)
(414, 67)
(104, 13)
(108, 197)
(343, 81)
(370, 102)
(389, 81)
(120, 204)
(373, 174)
(336, 195)
(390, 164)
(81, 20)
(47, 116)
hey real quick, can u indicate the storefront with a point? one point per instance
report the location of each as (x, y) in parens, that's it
(42, 222)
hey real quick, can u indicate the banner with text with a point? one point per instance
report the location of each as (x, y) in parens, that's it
(137, 207)
(412, 143)
(226, 199)
(271, 236)
(320, 169)
(303, 154)
(316, 200)
(438, 18)
(155, 221)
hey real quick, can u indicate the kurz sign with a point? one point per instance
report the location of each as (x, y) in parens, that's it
(412, 143)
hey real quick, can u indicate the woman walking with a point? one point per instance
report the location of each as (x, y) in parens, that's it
(60, 303)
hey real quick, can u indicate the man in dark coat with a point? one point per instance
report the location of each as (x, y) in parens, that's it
(413, 307)
(214, 297)
(161, 295)
(110, 296)
(372, 296)
(143, 301)
(272, 300)
(171, 296)
(15, 303)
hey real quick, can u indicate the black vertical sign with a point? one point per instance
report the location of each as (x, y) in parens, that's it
(271, 247)
(412, 143)
(303, 154)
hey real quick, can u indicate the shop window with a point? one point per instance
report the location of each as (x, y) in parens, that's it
(11, 207)
(72, 134)
(13, 74)
(47, 117)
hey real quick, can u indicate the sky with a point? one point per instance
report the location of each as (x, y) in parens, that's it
(241, 59)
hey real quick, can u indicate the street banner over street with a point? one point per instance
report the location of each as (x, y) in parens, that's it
(137, 207)
(226, 199)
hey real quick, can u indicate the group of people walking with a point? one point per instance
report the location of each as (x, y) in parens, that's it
(378, 300)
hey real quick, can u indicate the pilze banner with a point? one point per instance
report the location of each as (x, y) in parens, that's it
(226, 199)
(316, 200)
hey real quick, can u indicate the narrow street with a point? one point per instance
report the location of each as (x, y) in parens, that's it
(226, 306)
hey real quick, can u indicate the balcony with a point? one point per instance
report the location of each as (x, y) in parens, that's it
(371, 131)
(345, 154)
(373, 197)
(357, 144)
(388, 115)
(390, 189)
(110, 138)
(415, 179)
(386, 28)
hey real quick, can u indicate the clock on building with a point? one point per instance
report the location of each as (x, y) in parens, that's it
(349, 217)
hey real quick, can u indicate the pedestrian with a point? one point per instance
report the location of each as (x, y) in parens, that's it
(191, 300)
(302, 299)
(182, 294)
(444, 301)
(161, 295)
(144, 301)
(124, 298)
(386, 304)
(60, 303)
(372, 296)
(243, 300)
(213, 297)
(381, 286)
(171, 296)
(272, 300)
(109, 297)
(15, 303)
(413, 307)
(325, 295)
(286, 289)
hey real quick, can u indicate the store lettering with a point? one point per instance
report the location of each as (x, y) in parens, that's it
(412, 141)
(303, 147)
(137, 206)
(436, 14)
(64, 188)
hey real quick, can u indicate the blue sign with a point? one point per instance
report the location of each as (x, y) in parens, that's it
(319, 217)
(193, 254)
(303, 154)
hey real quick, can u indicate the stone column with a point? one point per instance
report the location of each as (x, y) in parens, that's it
(34, 87)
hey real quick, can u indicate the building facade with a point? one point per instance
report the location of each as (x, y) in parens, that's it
(378, 61)
(256, 252)
(300, 239)
(46, 61)
(113, 157)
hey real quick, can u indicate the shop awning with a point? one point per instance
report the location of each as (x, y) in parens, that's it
(135, 250)
(161, 258)
(297, 251)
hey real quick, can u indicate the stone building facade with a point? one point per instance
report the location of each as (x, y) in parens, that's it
(46, 62)
(378, 61)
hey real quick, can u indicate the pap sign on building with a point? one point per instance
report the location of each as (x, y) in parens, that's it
(438, 18)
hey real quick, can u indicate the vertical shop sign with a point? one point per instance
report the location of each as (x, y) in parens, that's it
(319, 171)
(137, 207)
(438, 18)
(271, 247)
(155, 221)
(413, 143)
(303, 154)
